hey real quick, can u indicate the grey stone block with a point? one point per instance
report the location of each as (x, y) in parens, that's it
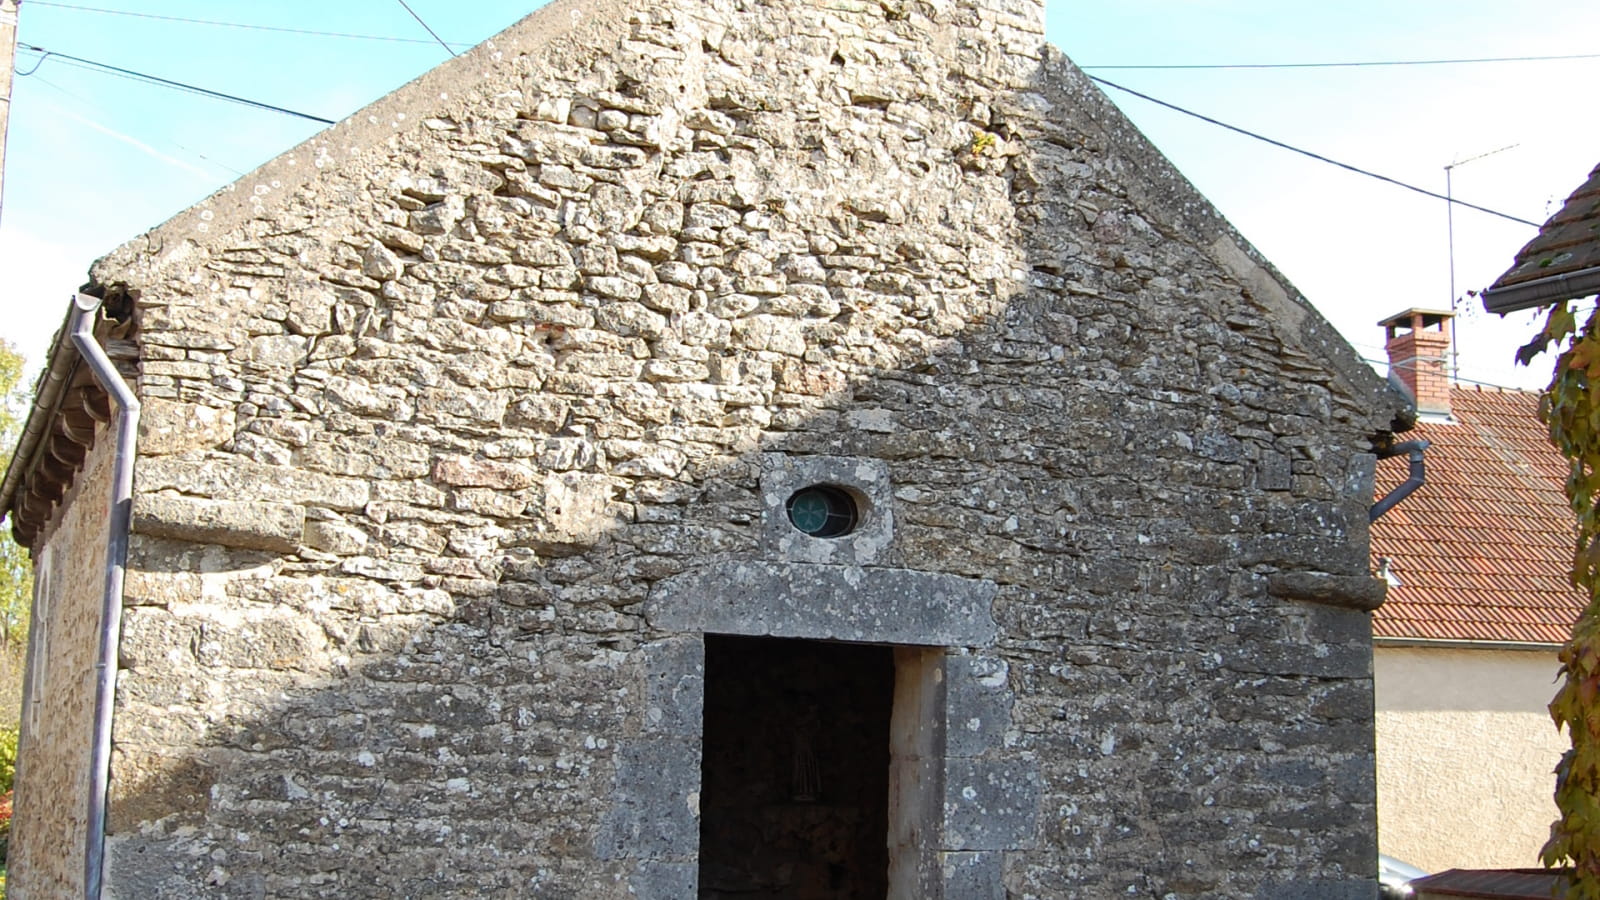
(972, 876)
(990, 805)
(890, 606)
(169, 427)
(1274, 472)
(977, 704)
(1320, 889)
(239, 479)
(655, 880)
(865, 479)
(1338, 626)
(675, 690)
(1297, 659)
(1360, 476)
(1361, 592)
(654, 813)
(249, 526)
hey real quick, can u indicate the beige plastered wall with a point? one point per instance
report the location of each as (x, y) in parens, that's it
(1465, 753)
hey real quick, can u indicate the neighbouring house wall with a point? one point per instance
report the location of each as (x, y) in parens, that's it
(52, 783)
(453, 449)
(1466, 755)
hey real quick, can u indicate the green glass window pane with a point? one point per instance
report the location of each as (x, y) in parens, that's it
(822, 510)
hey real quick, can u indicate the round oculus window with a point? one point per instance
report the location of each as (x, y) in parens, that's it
(822, 510)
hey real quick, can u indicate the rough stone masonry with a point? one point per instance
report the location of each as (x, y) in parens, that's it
(467, 420)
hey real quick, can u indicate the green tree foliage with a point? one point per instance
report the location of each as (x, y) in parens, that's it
(1571, 408)
(16, 571)
(8, 760)
(16, 582)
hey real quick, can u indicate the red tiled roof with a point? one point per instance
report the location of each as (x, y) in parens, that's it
(1482, 549)
(1506, 884)
(1561, 263)
(1568, 242)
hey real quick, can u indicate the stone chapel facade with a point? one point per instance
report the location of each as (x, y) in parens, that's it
(697, 449)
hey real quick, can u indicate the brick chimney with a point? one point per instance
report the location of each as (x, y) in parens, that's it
(1419, 356)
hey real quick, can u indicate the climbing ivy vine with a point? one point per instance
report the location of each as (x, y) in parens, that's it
(1571, 409)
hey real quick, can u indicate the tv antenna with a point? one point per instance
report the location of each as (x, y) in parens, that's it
(1450, 226)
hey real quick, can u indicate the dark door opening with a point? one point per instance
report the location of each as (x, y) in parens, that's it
(795, 775)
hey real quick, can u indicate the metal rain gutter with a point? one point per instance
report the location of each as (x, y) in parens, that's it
(1542, 291)
(1416, 479)
(1465, 644)
(51, 385)
(105, 372)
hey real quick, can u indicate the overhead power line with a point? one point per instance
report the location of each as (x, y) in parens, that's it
(196, 89)
(1454, 377)
(90, 122)
(1348, 64)
(1354, 65)
(246, 25)
(1316, 156)
(426, 28)
(165, 82)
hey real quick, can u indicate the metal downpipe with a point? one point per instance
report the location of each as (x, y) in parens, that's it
(118, 529)
(1405, 489)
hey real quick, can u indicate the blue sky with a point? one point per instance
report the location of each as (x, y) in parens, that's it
(94, 160)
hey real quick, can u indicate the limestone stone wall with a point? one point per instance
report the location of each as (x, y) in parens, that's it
(45, 858)
(437, 400)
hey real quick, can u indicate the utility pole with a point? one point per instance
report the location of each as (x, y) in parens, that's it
(8, 60)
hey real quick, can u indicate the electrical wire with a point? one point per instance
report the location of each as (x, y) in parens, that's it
(141, 76)
(1350, 65)
(425, 27)
(179, 85)
(1454, 378)
(1316, 156)
(216, 22)
(167, 82)
(1150, 67)
(36, 64)
(93, 65)
(70, 63)
(129, 138)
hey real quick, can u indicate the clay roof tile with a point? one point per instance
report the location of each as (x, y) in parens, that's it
(1482, 549)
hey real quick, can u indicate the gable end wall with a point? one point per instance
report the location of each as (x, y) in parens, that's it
(424, 433)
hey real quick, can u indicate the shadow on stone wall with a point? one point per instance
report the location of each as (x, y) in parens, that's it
(1127, 437)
